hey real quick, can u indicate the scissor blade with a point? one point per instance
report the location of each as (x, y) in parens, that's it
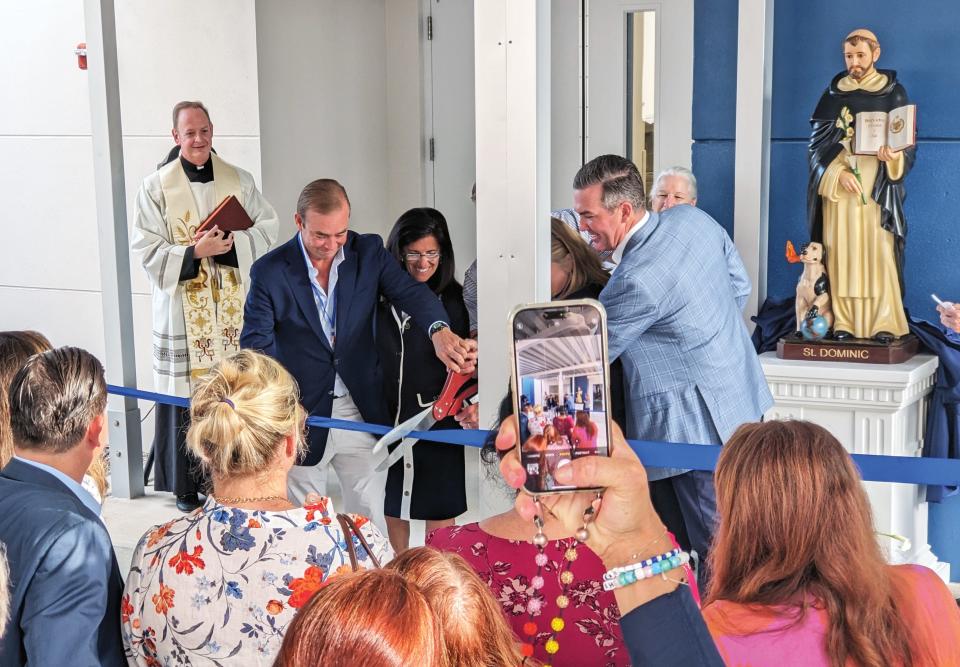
(422, 421)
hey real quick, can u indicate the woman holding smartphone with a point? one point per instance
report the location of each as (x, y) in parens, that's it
(545, 584)
(428, 483)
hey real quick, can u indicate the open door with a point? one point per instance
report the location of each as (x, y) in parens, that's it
(639, 82)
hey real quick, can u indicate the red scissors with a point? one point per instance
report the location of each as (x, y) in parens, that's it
(456, 394)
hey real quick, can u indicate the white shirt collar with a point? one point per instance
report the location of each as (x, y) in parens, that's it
(69, 482)
(618, 252)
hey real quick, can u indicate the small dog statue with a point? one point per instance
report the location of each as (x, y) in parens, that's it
(813, 291)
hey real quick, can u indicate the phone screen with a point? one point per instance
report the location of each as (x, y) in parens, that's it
(561, 387)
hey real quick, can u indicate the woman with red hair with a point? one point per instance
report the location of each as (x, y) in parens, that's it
(374, 618)
(473, 630)
(797, 575)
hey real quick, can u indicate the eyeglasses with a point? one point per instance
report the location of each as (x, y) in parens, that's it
(430, 256)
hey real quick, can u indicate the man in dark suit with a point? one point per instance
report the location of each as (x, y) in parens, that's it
(65, 600)
(311, 306)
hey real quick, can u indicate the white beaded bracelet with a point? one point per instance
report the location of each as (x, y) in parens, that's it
(628, 574)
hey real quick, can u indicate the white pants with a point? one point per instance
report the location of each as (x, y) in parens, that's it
(349, 452)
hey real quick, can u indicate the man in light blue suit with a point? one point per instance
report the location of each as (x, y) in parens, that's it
(690, 372)
(66, 586)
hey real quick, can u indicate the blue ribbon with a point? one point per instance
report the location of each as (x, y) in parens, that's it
(873, 468)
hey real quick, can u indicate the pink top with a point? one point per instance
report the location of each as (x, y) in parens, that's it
(581, 440)
(748, 635)
(592, 633)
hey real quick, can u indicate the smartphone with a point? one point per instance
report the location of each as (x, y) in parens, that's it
(561, 387)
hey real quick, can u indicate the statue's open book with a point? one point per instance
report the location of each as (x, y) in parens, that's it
(896, 129)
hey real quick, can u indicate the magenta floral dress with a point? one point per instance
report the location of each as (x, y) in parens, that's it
(592, 634)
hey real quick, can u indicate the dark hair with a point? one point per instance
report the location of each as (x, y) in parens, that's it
(324, 195)
(488, 453)
(54, 397)
(15, 348)
(853, 40)
(619, 177)
(418, 223)
(187, 104)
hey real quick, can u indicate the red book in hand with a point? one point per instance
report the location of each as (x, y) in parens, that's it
(229, 216)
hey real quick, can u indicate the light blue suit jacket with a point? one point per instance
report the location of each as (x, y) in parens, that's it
(673, 305)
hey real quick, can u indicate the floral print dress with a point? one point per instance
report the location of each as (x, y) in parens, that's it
(220, 586)
(592, 634)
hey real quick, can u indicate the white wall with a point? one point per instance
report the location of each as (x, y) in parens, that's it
(49, 264)
(49, 261)
(404, 106)
(323, 104)
(160, 49)
(565, 100)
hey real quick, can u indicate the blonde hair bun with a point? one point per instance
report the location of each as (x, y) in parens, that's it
(240, 411)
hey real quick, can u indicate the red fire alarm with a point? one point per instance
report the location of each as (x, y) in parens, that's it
(81, 52)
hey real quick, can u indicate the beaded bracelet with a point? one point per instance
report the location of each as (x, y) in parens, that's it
(613, 572)
(633, 573)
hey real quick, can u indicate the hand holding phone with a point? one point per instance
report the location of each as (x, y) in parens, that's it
(627, 520)
(561, 388)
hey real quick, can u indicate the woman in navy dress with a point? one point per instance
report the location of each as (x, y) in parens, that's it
(428, 482)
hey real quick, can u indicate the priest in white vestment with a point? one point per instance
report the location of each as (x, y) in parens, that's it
(199, 280)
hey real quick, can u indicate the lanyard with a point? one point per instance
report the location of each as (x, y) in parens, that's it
(328, 309)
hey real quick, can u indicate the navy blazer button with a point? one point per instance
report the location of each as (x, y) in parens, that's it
(331, 392)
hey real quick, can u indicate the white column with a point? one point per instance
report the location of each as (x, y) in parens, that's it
(126, 455)
(870, 409)
(752, 165)
(512, 49)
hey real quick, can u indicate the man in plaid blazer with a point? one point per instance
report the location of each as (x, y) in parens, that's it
(690, 371)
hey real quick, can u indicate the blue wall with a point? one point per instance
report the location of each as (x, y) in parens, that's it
(526, 388)
(922, 46)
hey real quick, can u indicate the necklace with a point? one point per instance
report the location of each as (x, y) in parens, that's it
(244, 501)
(534, 604)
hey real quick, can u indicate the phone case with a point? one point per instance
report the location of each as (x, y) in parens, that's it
(515, 385)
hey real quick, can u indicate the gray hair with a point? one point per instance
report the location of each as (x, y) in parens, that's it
(619, 177)
(54, 398)
(683, 172)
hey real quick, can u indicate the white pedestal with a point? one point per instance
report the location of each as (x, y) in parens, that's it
(870, 409)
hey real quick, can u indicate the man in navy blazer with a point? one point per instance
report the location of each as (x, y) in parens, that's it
(691, 374)
(311, 306)
(65, 600)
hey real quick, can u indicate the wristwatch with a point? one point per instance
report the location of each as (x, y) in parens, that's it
(438, 326)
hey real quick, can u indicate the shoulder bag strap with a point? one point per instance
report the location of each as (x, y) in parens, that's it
(350, 529)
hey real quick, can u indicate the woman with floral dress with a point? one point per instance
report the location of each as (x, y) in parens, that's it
(221, 585)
